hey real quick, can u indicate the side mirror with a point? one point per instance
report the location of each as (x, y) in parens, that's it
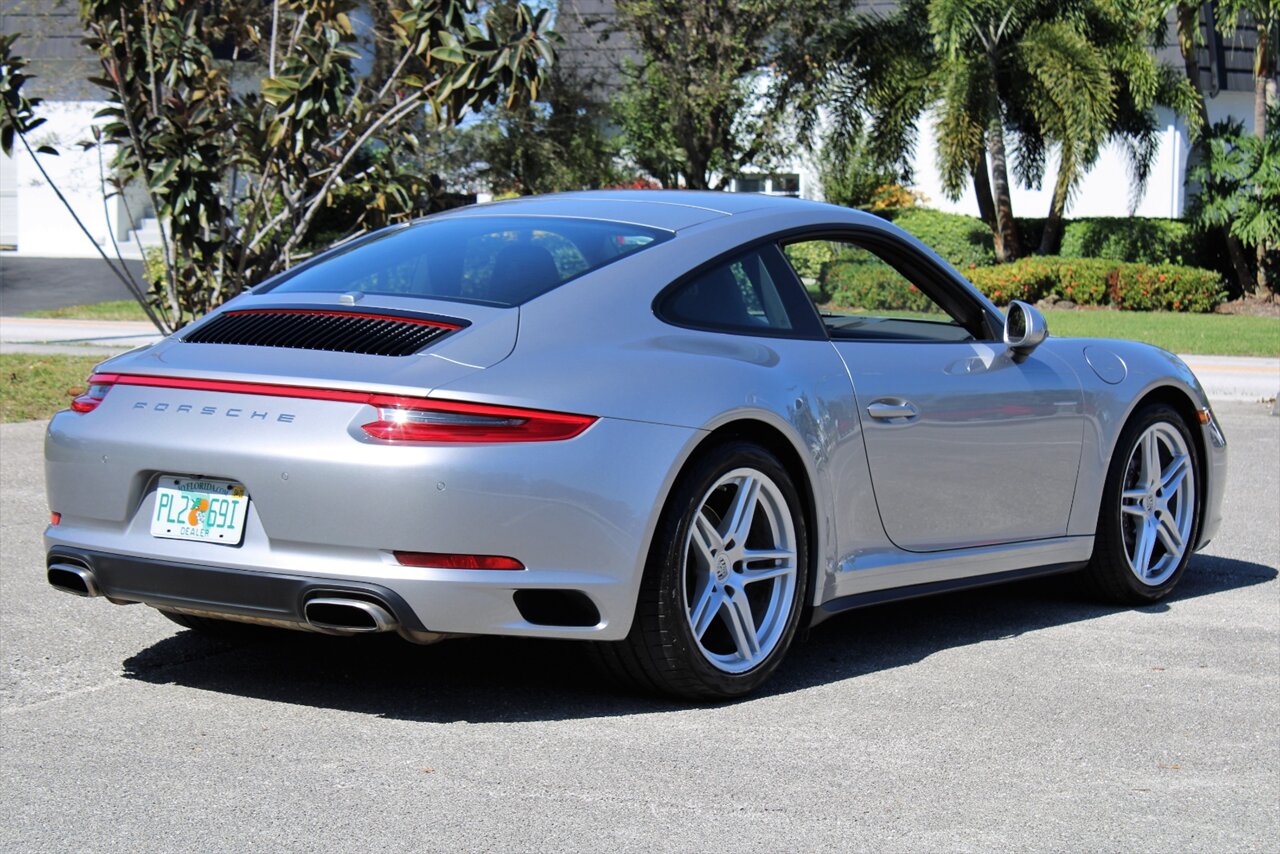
(1024, 329)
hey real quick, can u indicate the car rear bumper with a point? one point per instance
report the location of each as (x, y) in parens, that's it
(260, 596)
(330, 511)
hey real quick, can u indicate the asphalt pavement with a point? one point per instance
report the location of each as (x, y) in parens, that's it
(1018, 718)
(38, 284)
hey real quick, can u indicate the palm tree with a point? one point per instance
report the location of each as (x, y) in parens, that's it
(1007, 80)
(1265, 15)
(1103, 83)
(1187, 13)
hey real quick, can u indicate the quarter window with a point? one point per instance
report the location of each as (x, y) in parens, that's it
(753, 292)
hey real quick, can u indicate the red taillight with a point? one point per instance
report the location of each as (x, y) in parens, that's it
(418, 420)
(55, 518)
(99, 385)
(437, 560)
(402, 418)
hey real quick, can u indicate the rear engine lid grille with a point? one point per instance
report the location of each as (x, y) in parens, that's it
(318, 329)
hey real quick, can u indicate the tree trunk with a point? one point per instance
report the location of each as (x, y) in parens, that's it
(1051, 237)
(1188, 29)
(1261, 78)
(1008, 247)
(982, 189)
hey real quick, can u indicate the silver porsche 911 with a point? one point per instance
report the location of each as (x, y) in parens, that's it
(619, 417)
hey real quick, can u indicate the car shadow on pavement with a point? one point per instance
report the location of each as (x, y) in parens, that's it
(513, 679)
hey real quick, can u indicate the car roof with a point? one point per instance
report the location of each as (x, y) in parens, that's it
(671, 210)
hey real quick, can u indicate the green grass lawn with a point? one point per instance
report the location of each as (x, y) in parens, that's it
(120, 309)
(36, 386)
(1204, 334)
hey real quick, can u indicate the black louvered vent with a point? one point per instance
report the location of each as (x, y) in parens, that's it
(337, 331)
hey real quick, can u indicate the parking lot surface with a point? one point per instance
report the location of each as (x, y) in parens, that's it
(1022, 717)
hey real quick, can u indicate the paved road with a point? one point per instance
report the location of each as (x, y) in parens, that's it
(1018, 718)
(77, 337)
(37, 284)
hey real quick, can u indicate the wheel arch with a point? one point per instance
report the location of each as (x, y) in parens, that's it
(758, 431)
(1181, 401)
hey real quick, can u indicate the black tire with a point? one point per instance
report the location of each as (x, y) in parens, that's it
(1110, 573)
(662, 654)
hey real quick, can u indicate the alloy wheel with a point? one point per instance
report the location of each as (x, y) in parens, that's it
(1157, 504)
(740, 570)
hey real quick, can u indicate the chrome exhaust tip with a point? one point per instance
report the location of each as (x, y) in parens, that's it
(347, 616)
(73, 578)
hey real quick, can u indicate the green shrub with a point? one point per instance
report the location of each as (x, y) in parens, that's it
(1099, 281)
(1149, 241)
(873, 286)
(964, 241)
(809, 256)
(153, 266)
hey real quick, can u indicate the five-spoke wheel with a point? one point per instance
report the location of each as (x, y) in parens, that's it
(740, 570)
(1149, 518)
(725, 580)
(1158, 503)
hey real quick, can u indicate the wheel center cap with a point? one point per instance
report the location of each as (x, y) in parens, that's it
(722, 568)
(1149, 502)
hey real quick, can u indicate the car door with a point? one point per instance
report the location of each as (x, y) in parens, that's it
(967, 446)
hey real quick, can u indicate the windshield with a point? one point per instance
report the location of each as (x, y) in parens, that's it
(495, 260)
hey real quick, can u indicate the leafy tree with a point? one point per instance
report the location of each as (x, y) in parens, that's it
(554, 144)
(1187, 15)
(692, 108)
(851, 175)
(240, 179)
(1265, 15)
(1239, 180)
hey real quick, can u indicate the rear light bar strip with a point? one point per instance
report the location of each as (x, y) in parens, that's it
(402, 418)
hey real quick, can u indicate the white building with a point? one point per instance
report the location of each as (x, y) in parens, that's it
(33, 221)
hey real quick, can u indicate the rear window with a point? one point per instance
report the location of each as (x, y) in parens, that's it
(502, 261)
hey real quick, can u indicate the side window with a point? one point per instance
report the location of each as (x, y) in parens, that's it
(862, 296)
(751, 293)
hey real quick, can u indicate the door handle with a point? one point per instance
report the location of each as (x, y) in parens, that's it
(892, 410)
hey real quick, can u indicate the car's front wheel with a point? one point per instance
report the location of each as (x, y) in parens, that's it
(1149, 520)
(725, 582)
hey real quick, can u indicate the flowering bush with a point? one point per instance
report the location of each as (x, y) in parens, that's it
(872, 286)
(1098, 281)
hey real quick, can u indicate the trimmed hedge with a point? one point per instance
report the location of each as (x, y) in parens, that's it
(964, 241)
(873, 286)
(1100, 281)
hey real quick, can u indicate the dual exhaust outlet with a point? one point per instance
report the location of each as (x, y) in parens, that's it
(327, 614)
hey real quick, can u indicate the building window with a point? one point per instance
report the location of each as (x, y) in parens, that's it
(785, 184)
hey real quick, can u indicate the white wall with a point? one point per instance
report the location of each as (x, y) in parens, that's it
(1106, 190)
(44, 228)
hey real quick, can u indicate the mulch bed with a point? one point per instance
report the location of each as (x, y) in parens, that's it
(1253, 307)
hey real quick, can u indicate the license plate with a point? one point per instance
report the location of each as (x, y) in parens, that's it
(210, 511)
